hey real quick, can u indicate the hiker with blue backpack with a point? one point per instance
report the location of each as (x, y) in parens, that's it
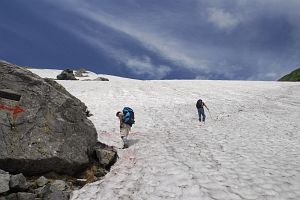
(126, 118)
(200, 107)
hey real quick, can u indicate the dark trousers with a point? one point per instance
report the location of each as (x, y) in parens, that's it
(201, 113)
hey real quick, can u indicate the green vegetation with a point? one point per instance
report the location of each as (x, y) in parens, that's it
(293, 76)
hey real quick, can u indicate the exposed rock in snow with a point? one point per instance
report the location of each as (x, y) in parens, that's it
(105, 155)
(51, 134)
(81, 73)
(66, 74)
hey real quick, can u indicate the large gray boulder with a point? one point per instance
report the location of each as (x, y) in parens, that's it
(52, 134)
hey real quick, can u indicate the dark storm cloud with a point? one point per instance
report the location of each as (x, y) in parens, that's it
(234, 39)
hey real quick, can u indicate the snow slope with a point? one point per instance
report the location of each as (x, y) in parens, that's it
(248, 149)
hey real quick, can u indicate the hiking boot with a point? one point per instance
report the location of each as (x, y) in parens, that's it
(125, 146)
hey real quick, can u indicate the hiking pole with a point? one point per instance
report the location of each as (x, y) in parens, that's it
(210, 115)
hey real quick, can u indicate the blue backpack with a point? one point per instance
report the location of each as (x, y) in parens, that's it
(128, 116)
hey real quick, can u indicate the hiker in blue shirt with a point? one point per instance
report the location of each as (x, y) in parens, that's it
(200, 107)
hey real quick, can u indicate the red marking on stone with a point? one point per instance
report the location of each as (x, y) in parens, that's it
(15, 110)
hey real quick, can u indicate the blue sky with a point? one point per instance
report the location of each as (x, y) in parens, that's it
(155, 39)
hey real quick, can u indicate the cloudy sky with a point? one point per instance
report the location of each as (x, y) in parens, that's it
(155, 39)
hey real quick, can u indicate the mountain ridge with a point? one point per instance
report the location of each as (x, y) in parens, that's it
(293, 76)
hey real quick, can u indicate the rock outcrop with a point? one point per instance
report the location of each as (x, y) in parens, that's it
(66, 74)
(47, 130)
(81, 73)
(101, 79)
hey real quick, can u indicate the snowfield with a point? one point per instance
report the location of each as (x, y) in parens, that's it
(248, 149)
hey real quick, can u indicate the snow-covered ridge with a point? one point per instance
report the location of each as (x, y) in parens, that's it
(248, 148)
(52, 73)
